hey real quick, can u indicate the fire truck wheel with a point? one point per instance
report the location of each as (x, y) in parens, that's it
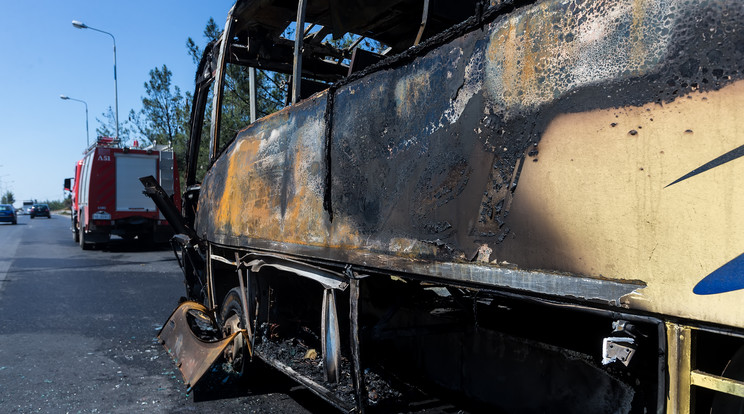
(232, 320)
(76, 235)
(83, 244)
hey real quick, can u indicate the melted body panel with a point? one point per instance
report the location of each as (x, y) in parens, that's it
(546, 142)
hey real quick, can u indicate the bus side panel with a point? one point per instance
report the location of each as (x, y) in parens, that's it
(539, 141)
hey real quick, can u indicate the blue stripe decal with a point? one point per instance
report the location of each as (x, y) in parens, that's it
(730, 276)
(723, 159)
(726, 278)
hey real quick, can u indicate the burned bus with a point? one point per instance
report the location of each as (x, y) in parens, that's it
(530, 205)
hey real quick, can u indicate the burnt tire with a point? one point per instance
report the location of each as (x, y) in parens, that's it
(231, 318)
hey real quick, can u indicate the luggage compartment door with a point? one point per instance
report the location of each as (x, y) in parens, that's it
(129, 168)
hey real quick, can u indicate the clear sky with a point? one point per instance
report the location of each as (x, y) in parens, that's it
(42, 56)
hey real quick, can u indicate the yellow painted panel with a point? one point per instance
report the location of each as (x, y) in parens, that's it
(597, 201)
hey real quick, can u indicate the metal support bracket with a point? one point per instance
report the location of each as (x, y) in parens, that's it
(193, 356)
(244, 297)
(356, 364)
(424, 19)
(297, 66)
(617, 349)
(331, 337)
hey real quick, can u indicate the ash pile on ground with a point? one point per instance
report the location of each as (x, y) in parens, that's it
(308, 362)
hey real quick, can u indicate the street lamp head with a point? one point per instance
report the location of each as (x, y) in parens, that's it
(87, 135)
(81, 25)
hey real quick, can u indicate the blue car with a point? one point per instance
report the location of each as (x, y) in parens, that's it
(8, 214)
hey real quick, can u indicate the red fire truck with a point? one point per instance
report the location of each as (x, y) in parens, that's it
(107, 197)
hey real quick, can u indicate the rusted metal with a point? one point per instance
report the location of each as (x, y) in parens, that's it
(244, 297)
(192, 355)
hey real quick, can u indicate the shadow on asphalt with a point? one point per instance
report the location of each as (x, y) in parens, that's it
(261, 380)
(117, 245)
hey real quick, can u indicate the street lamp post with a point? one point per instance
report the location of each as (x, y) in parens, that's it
(87, 135)
(81, 25)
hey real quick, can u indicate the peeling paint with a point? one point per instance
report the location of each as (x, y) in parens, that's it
(557, 47)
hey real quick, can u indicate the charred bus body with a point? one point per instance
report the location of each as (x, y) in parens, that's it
(533, 206)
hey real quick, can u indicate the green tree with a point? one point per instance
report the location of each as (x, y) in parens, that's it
(211, 33)
(164, 116)
(55, 205)
(138, 132)
(107, 126)
(8, 198)
(161, 118)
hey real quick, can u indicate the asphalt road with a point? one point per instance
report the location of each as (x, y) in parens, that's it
(78, 332)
